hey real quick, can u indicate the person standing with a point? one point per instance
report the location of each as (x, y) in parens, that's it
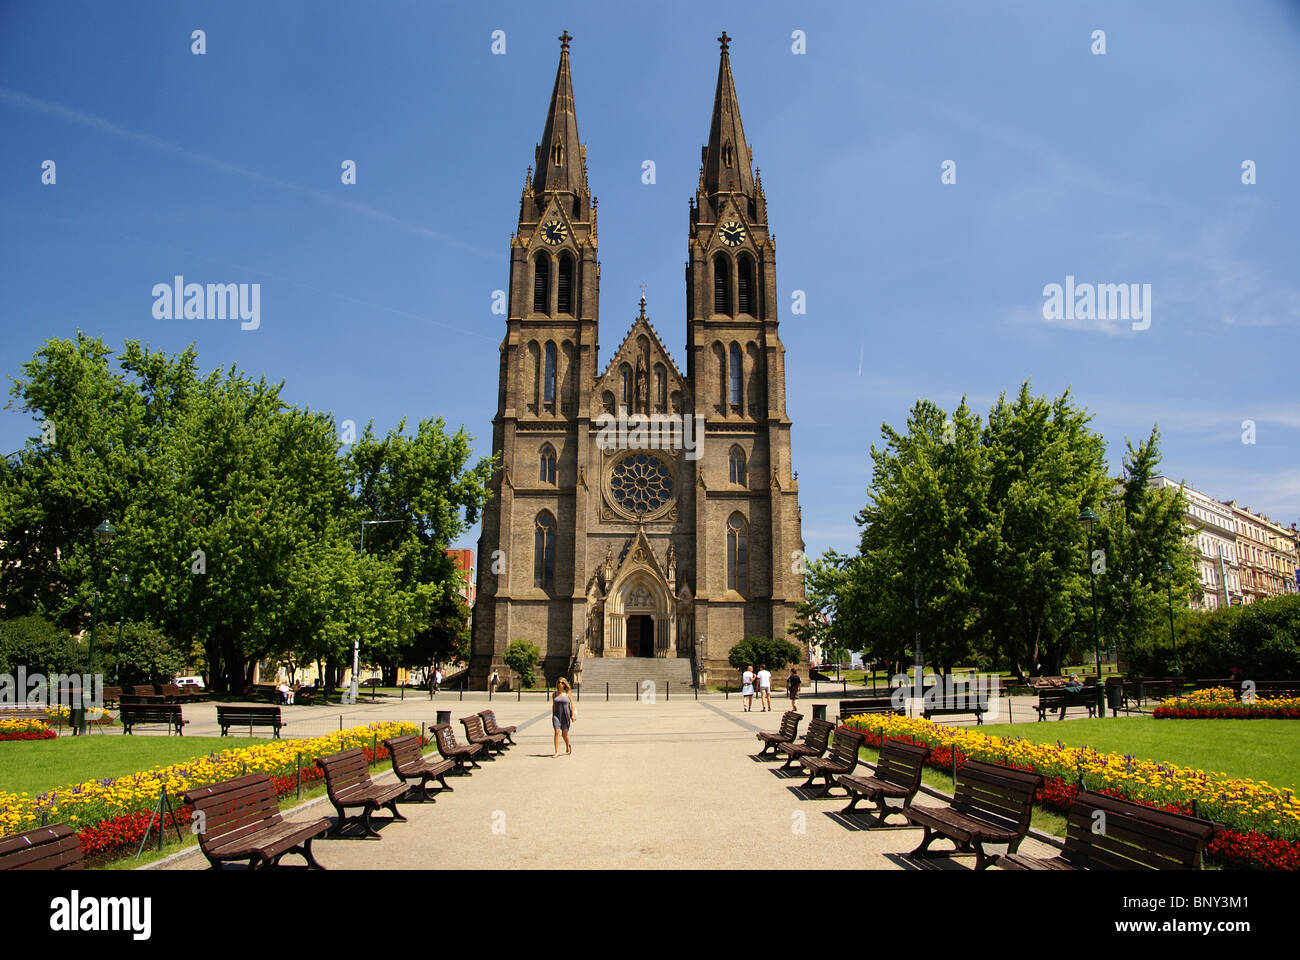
(765, 687)
(492, 684)
(437, 680)
(562, 715)
(792, 685)
(747, 688)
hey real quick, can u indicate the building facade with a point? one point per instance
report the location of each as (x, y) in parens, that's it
(641, 509)
(1212, 529)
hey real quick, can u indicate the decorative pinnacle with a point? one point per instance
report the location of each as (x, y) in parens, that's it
(725, 41)
(564, 41)
(642, 317)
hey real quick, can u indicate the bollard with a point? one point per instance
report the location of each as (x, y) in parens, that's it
(697, 691)
(298, 774)
(374, 749)
(726, 690)
(462, 689)
(954, 766)
(519, 692)
(422, 740)
(340, 721)
(607, 691)
(667, 684)
(579, 692)
(403, 693)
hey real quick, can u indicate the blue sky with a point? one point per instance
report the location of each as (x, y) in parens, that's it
(376, 298)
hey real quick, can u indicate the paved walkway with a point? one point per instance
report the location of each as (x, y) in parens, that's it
(664, 785)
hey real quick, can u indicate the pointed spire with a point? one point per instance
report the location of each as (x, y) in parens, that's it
(560, 163)
(726, 158)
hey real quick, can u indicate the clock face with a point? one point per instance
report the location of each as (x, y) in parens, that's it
(732, 233)
(554, 231)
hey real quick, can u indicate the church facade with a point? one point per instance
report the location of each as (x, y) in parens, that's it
(640, 510)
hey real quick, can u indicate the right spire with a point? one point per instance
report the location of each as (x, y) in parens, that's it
(726, 158)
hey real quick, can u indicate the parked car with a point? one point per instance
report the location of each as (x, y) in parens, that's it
(196, 682)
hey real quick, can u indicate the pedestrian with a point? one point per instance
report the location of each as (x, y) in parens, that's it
(747, 687)
(492, 683)
(765, 687)
(562, 714)
(792, 685)
(437, 680)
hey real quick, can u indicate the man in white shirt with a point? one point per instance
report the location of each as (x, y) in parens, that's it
(765, 687)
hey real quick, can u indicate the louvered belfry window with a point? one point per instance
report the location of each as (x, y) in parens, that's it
(542, 284)
(745, 285)
(564, 288)
(721, 287)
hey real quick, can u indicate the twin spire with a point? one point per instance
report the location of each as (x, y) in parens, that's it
(561, 163)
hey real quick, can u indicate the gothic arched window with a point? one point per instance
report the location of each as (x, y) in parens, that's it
(544, 551)
(542, 284)
(745, 286)
(546, 473)
(626, 373)
(721, 286)
(661, 387)
(737, 553)
(736, 466)
(564, 285)
(735, 373)
(548, 388)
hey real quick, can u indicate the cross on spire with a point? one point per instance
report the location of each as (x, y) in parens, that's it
(724, 40)
(564, 41)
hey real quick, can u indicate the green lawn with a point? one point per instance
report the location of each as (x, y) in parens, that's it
(34, 766)
(1267, 750)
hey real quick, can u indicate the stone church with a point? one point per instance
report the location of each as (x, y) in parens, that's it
(674, 542)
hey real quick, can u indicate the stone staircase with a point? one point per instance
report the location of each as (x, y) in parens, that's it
(625, 675)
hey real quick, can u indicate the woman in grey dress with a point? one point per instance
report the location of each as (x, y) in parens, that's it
(562, 714)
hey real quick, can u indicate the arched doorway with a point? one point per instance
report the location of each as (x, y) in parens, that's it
(640, 620)
(640, 635)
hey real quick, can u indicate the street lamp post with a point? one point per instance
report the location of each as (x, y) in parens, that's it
(1089, 519)
(104, 533)
(1168, 569)
(125, 581)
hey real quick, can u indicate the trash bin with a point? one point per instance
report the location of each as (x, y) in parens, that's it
(444, 716)
(77, 717)
(819, 711)
(1115, 697)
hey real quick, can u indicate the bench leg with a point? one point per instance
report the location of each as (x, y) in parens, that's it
(809, 782)
(923, 849)
(982, 859)
(365, 822)
(392, 805)
(442, 779)
(311, 860)
(853, 804)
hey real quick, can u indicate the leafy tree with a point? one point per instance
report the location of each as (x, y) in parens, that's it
(772, 652)
(521, 657)
(1265, 639)
(140, 654)
(38, 645)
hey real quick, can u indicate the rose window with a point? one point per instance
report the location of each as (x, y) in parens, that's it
(641, 483)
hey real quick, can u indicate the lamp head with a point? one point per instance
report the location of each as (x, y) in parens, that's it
(105, 532)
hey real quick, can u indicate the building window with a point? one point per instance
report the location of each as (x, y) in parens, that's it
(564, 286)
(721, 286)
(546, 473)
(542, 284)
(544, 552)
(661, 387)
(626, 373)
(735, 373)
(737, 553)
(745, 286)
(736, 466)
(548, 387)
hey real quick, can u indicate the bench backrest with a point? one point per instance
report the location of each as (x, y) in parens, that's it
(900, 763)
(344, 770)
(246, 713)
(473, 728)
(405, 751)
(489, 718)
(170, 690)
(144, 690)
(233, 809)
(139, 698)
(1109, 833)
(1000, 794)
(446, 737)
(1056, 695)
(56, 847)
(149, 711)
(871, 705)
(111, 693)
(819, 734)
(789, 725)
(845, 749)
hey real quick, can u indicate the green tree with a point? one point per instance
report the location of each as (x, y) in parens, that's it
(772, 652)
(40, 646)
(521, 657)
(141, 654)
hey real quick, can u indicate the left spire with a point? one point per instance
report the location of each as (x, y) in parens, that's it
(561, 165)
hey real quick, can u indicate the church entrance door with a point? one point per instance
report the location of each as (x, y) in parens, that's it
(640, 636)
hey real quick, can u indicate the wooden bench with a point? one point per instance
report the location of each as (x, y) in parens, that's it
(942, 709)
(56, 847)
(111, 695)
(475, 734)
(23, 713)
(492, 727)
(853, 708)
(139, 699)
(240, 820)
(992, 804)
(250, 717)
(145, 690)
(814, 743)
(1058, 698)
(843, 758)
(789, 730)
(897, 777)
(348, 783)
(410, 763)
(458, 753)
(1108, 833)
(138, 713)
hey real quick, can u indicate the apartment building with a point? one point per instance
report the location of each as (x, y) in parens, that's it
(1212, 529)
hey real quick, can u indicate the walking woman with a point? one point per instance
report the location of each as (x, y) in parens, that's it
(562, 714)
(747, 688)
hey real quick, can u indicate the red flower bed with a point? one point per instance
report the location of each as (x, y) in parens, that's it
(1227, 712)
(30, 735)
(1229, 849)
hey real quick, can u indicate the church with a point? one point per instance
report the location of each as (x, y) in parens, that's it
(640, 512)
